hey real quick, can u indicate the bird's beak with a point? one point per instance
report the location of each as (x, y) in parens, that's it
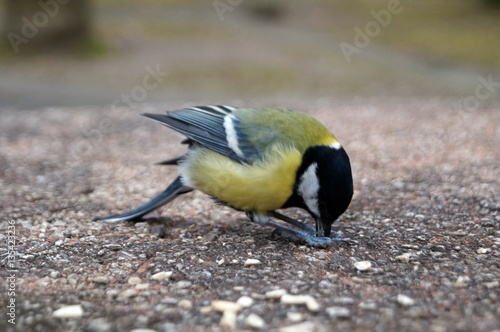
(323, 228)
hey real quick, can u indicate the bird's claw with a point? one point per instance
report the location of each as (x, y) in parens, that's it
(310, 238)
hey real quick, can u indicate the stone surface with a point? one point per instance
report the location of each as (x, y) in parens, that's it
(61, 167)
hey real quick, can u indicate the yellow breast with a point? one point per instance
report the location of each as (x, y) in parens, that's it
(263, 186)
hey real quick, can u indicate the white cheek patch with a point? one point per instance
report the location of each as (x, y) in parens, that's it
(231, 135)
(309, 187)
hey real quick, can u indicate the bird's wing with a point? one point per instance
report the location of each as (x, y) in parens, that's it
(215, 127)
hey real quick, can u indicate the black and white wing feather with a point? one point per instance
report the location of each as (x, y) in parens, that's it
(215, 127)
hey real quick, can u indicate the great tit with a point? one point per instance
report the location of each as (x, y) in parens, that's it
(258, 161)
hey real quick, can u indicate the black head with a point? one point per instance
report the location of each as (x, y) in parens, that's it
(323, 185)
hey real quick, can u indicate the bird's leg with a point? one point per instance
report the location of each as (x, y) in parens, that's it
(301, 225)
(306, 234)
(293, 222)
(265, 221)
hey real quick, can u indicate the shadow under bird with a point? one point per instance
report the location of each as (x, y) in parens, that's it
(258, 161)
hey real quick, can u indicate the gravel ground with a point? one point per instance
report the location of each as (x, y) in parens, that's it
(424, 223)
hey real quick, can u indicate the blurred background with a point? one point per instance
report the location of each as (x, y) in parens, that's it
(124, 52)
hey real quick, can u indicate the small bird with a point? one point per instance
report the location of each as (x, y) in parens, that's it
(258, 161)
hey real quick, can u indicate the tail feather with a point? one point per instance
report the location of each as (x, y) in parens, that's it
(175, 189)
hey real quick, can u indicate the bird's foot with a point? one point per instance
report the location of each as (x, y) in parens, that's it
(310, 238)
(301, 233)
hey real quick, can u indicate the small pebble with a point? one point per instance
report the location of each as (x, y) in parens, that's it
(482, 251)
(308, 300)
(127, 293)
(294, 317)
(460, 232)
(141, 286)
(70, 311)
(404, 257)
(100, 280)
(255, 321)
(206, 310)
(223, 306)
(99, 325)
(134, 281)
(111, 293)
(245, 301)
(228, 320)
(112, 246)
(257, 296)
(275, 294)
(141, 224)
(363, 266)
(368, 305)
(344, 300)
(405, 301)
(302, 327)
(492, 284)
(55, 274)
(326, 286)
(462, 281)
(313, 305)
(338, 312)
(182, 284)
(185, 304)
(294, 299)
(162, 275)
(252, 262)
